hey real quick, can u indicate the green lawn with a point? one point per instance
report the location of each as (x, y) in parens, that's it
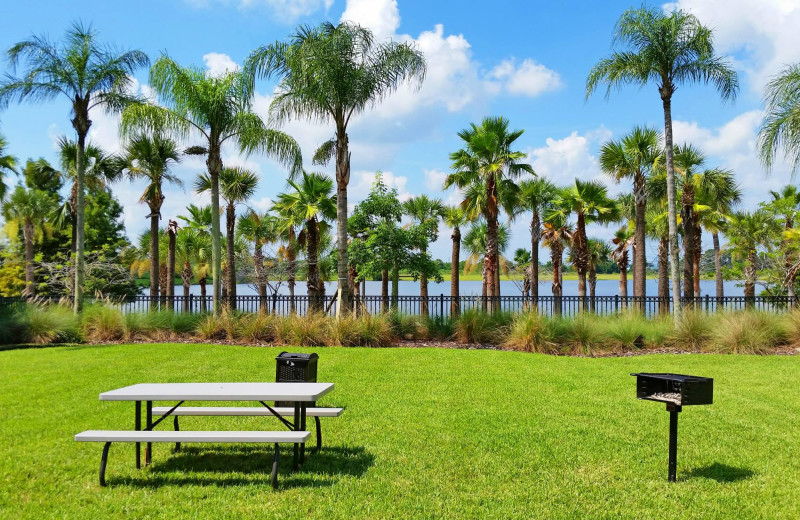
(427, 433)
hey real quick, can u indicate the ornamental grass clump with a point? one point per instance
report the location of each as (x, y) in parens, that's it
(50, 324)
(404, 326)
(748, 332)
(625, 332)
(476, 326)
(440, 328)
(692, 330)
(531, 332)
(375, 331)
(258, 328)
(103, 323)
(586, 335)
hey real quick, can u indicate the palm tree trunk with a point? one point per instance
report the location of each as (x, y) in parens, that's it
(312, 280)
(556, 258)
(230, 223)
(82, 125)
(28, 234)
(395, 285)
(639, 253)
(581, 256)
(343, 303)
(623, 280)
(202, 282)
(698, 253)
(423, 290)
(455, 261)
(261, 277)
(484, 288)
(536, 237)
(791, 272)
(186, 278)
(291, 255)
(663, 275)
(687, 215)
(214, 163)
(750, 278)
(154, 260)
(718, 265)
(666, 99)
(171, 269)
(592, 286)
(385, 290)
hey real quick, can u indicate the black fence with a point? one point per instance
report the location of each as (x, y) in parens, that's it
(441, 305)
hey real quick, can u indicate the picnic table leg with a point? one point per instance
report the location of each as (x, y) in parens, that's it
(148, 452)
(303, 428)
(137, 425)
(297, 428)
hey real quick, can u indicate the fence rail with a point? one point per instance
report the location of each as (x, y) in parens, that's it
(439, 306)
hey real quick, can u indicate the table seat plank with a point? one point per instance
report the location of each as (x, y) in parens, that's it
(223, 436)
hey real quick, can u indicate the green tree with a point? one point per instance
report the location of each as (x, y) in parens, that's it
(634, 157)
(785, 204)
(669, 49)
(199, 220)
(746, 234)
(150, 157)
(90, 75)
(475, 244)
(217, 109)
(454, 218)
(623, 240)
(8, 164)
(780, 129)
(28, 207)
(536, 196)
(260, 229)
(41, 175)
(425, 212)
(556, 234)
(599, 253)
(487, 163)
(331, 73)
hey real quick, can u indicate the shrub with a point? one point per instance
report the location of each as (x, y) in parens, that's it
(259, 327)
(52, 324)
(403, 326)
(692, 330)
(214, 326)
(375, 331)
(103, 323)
(476, 326)
(307, 331)
(585, 334)
(625, 331)
(345, 331)
(748, 332)
(439, 327)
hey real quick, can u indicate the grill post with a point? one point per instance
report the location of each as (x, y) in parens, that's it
(673, 410)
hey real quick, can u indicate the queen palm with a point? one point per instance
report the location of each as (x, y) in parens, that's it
(779, 129)
(623, 240)
(786, 204)
(634, 157)
(668, 48)
(487, 163)
(8, 164)
(312, 202)
(150, 157)
(87, 73)
(590, 203)
(425, 212)
(556, 234)
(237, 186)
(454, 218)
(351, 73)
(29, 207)
(217, 110)
(747, 233)
(260, 229)
(537, 197)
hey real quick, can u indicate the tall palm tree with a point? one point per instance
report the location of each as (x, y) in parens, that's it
(260, 229)
(536, 196)
(488, 162)
(217, 110)
(786, 204)
(87, 73)
(454, 218)
(634, 157)
(8, 164)
(668, 48)
(150, 157)
(746, 234)
(425, 212)
(351, 73)
(312, 202)
(623, 240)
(29, 207)
(556, 234)
(779, 129)
(590, 203)
(237, 186)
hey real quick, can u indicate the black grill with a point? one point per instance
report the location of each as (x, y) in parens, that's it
(295, 368)
(677, 391)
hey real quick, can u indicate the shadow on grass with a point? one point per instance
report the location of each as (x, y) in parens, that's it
(721, 473)
(320, 469)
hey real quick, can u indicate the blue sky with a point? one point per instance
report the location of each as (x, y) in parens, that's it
(527, 61)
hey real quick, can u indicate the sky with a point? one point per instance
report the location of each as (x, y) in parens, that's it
(527, 61)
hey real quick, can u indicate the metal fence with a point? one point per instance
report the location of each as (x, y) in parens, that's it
(439, 306)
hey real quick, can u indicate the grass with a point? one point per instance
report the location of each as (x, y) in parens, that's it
(427, 433)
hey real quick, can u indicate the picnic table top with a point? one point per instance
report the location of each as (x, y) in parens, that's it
(219, 392)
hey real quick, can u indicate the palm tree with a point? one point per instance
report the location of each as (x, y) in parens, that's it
(688, 163)
(260, 229)
(634, 157)
(351, 73)
(312, 202)
(556, 234)
(454, 218)
(590, 203)
(218, 110)
(488, 163)
(786, 204)
(623, 240)
(150, 157)
(8, 164)
(746, 234)
(87, 73)
(779, 129)
(475, 244)
(191, 247)
(425, 212)
(29, 207)
(536, 196)
(199, 220)
(237, 185)
(288, 223)
(668, 48)
(599, 252)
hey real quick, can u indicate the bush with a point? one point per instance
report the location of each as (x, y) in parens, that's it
(259, 327)
(375, 331)
(748, 332)
(476, 326)
(52, 324)
(692, 330)
(403, 326)
(626, 331)
(103, 323)
(439, 327)
(586, 335)
(306, 331)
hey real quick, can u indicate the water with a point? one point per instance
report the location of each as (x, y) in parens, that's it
(473, 288)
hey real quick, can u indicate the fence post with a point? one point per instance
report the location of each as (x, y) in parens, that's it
(441, 305)
(190, 304)
(616, 303)
(708, 304)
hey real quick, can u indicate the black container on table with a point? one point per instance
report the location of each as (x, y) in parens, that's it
(295, 368)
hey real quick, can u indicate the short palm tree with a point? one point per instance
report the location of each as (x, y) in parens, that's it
(669, 49)
(260, 229)
(623, 240)
(488, 164)
(150, 157)
(556, 234)
(475, 244)
(29, 207)
(89, 75)
(688, 168)
(747, 233)
(351, 73)
(217, 110)
(313, 203)
(199, 220)
(634, 157)
(780, 129)
(237, 185)
(599, 252)
(425, 212)
(536, 196)
(8, 164)
(786, 205)
(590, 203)
(192, 249)
(454, 218)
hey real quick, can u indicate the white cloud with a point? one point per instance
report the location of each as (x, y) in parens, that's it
(381, 16)
(563, 160)
(218, 64)
(434, 180)
(285, 10)
(361, 183)
(529, 79)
